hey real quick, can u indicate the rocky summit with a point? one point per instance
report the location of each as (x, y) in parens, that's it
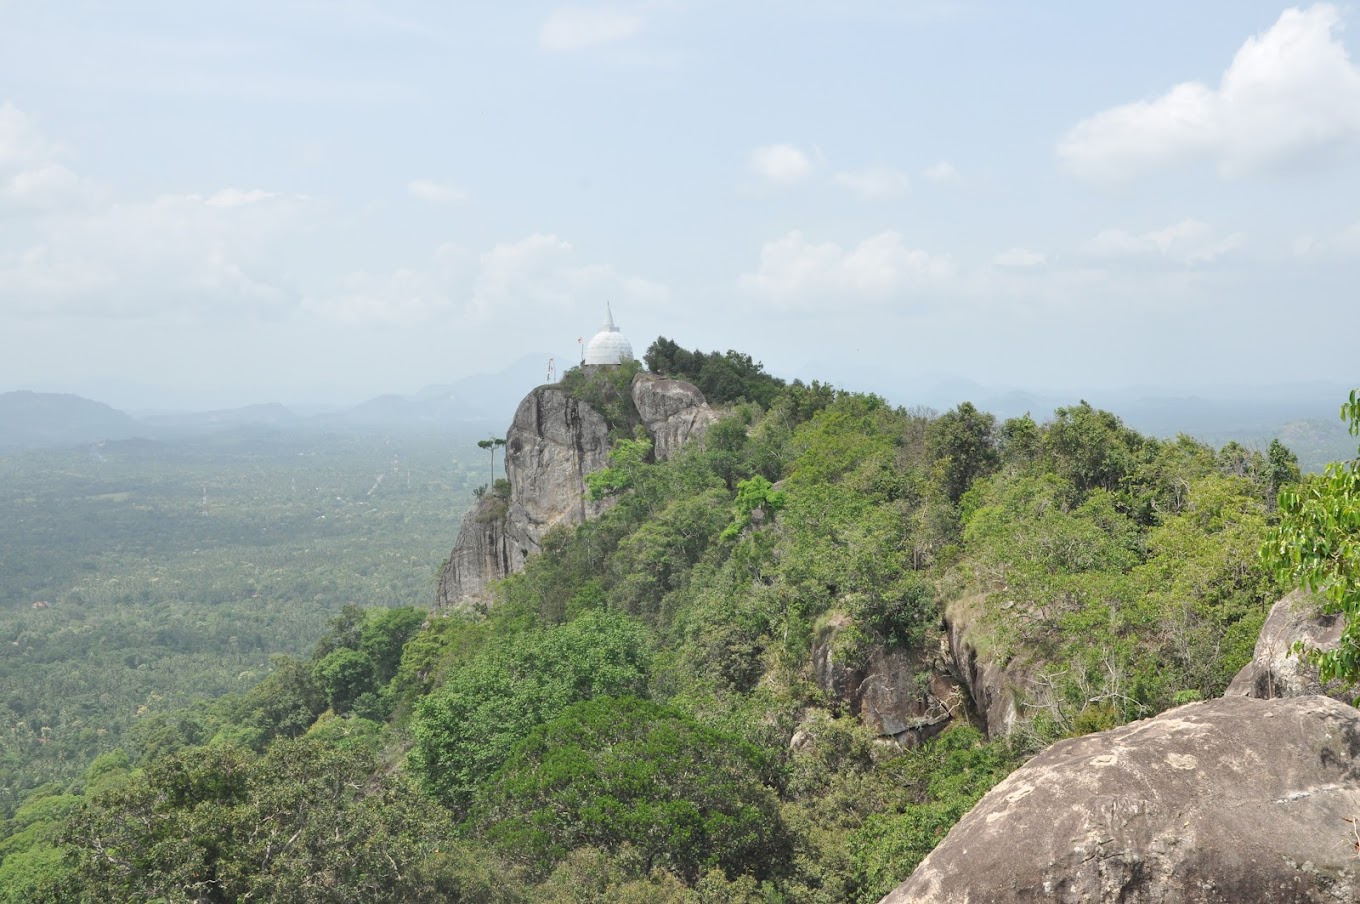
(553, 442)
(1234, 800)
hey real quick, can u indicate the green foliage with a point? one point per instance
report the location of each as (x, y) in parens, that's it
(610, 773)
(158, 598)
(466, 729)
(609, 390)
(939, 783)
(756, 493)
(722, 377)
(626, 459)
(308, 821)
(1317, 546)
(964, 441)
(341, 676)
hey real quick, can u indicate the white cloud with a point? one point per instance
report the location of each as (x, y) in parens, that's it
(538, 275)
(236, 197)
(172, 255)
(794, 272)
(875, 184)
(436, 192)
(406, 295)
(543, 271)
(780, 164)
(22, 145)
(1019, 259)
(577, 28)
(1290, 97)
(1187, 242)
(32, 178)
(943, 171)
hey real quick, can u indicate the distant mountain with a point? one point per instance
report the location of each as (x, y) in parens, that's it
(481, 397)
(34, 419)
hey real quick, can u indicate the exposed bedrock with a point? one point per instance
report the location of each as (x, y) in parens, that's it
(673, 411)
(1275, 669)
(1231, 800)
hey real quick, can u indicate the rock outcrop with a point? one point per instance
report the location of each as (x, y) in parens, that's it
(553, 442)
(905, 695)
(482, 553)
(673, 411)
(1275, 670)
(1234, 800)
(991, 686)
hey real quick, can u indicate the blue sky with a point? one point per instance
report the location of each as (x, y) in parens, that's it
(213, 205)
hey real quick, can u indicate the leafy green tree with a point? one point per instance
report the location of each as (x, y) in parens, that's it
(722, 377)
(756, 493)
(626, 460)
(1092, 448)
(383, 636)
(466, 729)
(610, 773)
(1283, 465)
(965, 441)
(1317, 546)
(342, 675)
(307, 822)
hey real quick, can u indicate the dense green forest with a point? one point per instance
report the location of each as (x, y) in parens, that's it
(137, 577)
(637, 717)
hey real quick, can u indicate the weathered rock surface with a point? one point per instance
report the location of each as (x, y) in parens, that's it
(552, 444)
(1234, 800)
(482, 553)
(990, 685)
(673, 411)
(906, 695)
(1274, 670)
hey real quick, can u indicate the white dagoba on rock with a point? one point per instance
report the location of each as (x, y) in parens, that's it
(608, 346)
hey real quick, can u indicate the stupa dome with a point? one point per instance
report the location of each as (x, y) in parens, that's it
(608, 346)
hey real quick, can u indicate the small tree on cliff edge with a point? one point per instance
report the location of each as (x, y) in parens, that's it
(491, 444)
(1317, 546)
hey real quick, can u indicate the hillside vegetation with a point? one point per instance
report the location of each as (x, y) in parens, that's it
(637, 718)
(137, 577)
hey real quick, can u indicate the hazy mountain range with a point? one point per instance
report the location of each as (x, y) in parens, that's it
(1303, 415)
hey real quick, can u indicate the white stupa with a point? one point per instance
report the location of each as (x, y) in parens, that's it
(608, 346)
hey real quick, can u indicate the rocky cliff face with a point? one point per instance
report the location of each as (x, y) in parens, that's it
(482, 553)
(1234, 800)
(553, 442)
(991, 686)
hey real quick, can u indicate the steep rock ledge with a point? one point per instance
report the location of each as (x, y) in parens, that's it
(554, 441)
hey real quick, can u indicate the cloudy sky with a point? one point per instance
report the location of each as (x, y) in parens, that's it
(213, 204)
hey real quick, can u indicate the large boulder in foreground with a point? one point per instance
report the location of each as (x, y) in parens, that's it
(1234, 800)
(1275, 669)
